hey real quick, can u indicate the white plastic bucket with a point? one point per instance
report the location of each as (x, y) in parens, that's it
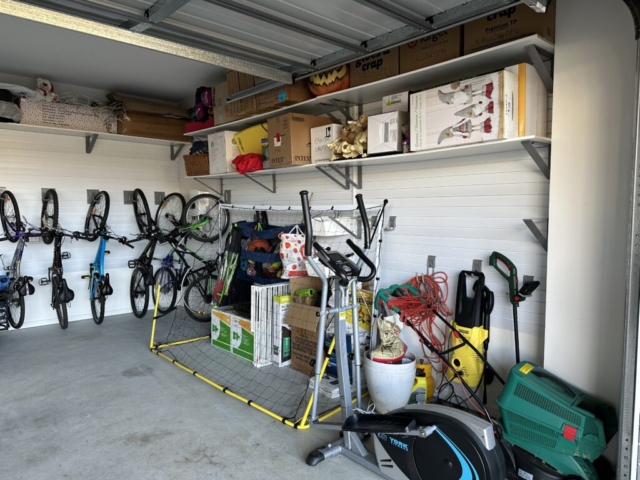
(390, 385)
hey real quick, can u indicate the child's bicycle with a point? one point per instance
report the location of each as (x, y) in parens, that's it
(96, 227)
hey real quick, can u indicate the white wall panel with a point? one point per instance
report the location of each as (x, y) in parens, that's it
(30, 161)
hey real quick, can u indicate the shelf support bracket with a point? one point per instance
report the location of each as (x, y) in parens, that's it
(348, 182)
(225, 195)
(273, 183)
(175, 151)
(533, 228)
(90, 142)
(535, 155)
(538, 64)
(343, 109)
(328, 112)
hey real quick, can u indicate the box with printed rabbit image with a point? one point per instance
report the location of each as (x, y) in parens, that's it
(500, 105)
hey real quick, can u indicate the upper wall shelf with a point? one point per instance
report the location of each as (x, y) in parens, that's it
(466, 66)
(91, 137)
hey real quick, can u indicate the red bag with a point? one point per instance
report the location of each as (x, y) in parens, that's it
(251, 162)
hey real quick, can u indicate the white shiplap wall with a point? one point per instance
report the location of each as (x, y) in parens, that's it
(457, 209)
(30, 161)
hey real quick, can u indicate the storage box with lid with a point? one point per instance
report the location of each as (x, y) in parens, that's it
(290, 138)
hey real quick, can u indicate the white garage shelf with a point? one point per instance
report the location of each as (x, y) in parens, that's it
(466, 66)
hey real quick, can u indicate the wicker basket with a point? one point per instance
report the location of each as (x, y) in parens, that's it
(196, 164)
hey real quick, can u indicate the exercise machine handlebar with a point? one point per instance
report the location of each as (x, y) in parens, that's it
(365, 221)
(304, 197)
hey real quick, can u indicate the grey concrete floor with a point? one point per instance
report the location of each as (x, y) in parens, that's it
(92, 402)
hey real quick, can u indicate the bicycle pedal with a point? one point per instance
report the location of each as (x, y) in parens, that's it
(85, 277)
(107, 252)
(132, 263)
(44, 281)
(65, 255)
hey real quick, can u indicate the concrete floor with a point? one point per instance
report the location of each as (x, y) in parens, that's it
(93, 403)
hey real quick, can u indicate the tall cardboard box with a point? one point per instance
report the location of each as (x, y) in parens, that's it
(281, 347)
(283, 96)
(509, 24)
(374, 67)
(304, 327)
(238, 82)
(223, 111)
(431, 50)
(290, 138)
(475, 110)
(321, 137)
(222, 151)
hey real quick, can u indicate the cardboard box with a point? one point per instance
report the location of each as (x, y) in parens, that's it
(281, 347)
(304, 327)
(290, 138)
(531, 102)
(321, 137)
(222, 152)
(249, 140)
(510, 24)
(431, 50)
(223, 111)
(283, 96)
(75, 117)
(136, 105)
(232, 332)
(384, 132)
(475, 110)
(398, 102)
(374, 67)
(151, 126)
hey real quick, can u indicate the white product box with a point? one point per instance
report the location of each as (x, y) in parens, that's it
(262, 301)
(385, 132)
(476, 110)
(531, 101)
(281, 331)
(321, 137)
(222, 151)
(398, 102)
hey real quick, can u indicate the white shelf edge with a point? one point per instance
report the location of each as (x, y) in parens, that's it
(314, 104)
(68, 132)
(482, 148)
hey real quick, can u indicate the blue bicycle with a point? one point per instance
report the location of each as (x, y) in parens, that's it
(96, 227)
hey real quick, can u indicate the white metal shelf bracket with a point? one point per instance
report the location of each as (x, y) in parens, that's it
(225, 195)
(346, 177)
(343, 108)
(273, 183)
(535, 155)
(175, 151)
(536, 59)
(533, 228)
(90, 142)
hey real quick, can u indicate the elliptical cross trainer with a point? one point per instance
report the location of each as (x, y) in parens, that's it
(416, 442)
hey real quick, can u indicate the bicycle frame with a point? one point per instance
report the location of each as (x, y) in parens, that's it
(97, 267)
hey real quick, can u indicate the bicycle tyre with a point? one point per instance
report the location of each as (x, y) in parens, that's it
(49, 215)
(173, 205)
(139, 292)
(97, 308)
(168, 288)
(202, 207)
(10, 215)
(13, 314)
(198, 298)
(60, 307)
(97, 215)
(142, 212)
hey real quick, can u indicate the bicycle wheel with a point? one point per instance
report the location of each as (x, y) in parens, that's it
(139, 293)
(169, 214)
(97, 214)
(10, 215)
(60, 307)
(49, 216)
(168, 291)
(16, 310)
(141, 211)
(198, 298)
(97, 307)
(204, 214)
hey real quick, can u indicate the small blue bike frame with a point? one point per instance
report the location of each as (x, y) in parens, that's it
(98, 266)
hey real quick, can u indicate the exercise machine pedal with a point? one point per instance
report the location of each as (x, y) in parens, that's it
(376, 423)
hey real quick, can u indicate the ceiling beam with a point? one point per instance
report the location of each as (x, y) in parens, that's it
(396, 12)
(109, 32)
(156, 14)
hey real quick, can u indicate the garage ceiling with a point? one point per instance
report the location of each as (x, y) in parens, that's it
(172, 46)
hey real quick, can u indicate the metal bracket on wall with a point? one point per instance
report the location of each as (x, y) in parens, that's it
(535, 56)
(343, 108)
(158, 197)
(527, 279)
(91, 194)
(328, 111)
(345, 176)
(476, 266)
(225, 195)
(273, 183)
(391, 226)
(431, 265)
(43, 192)
(544, 167)
(90, 142)
(127, 197)
(175, 151)
(533, 228)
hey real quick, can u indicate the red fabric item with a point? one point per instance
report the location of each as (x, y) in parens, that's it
(251, 162)
(195, 126)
